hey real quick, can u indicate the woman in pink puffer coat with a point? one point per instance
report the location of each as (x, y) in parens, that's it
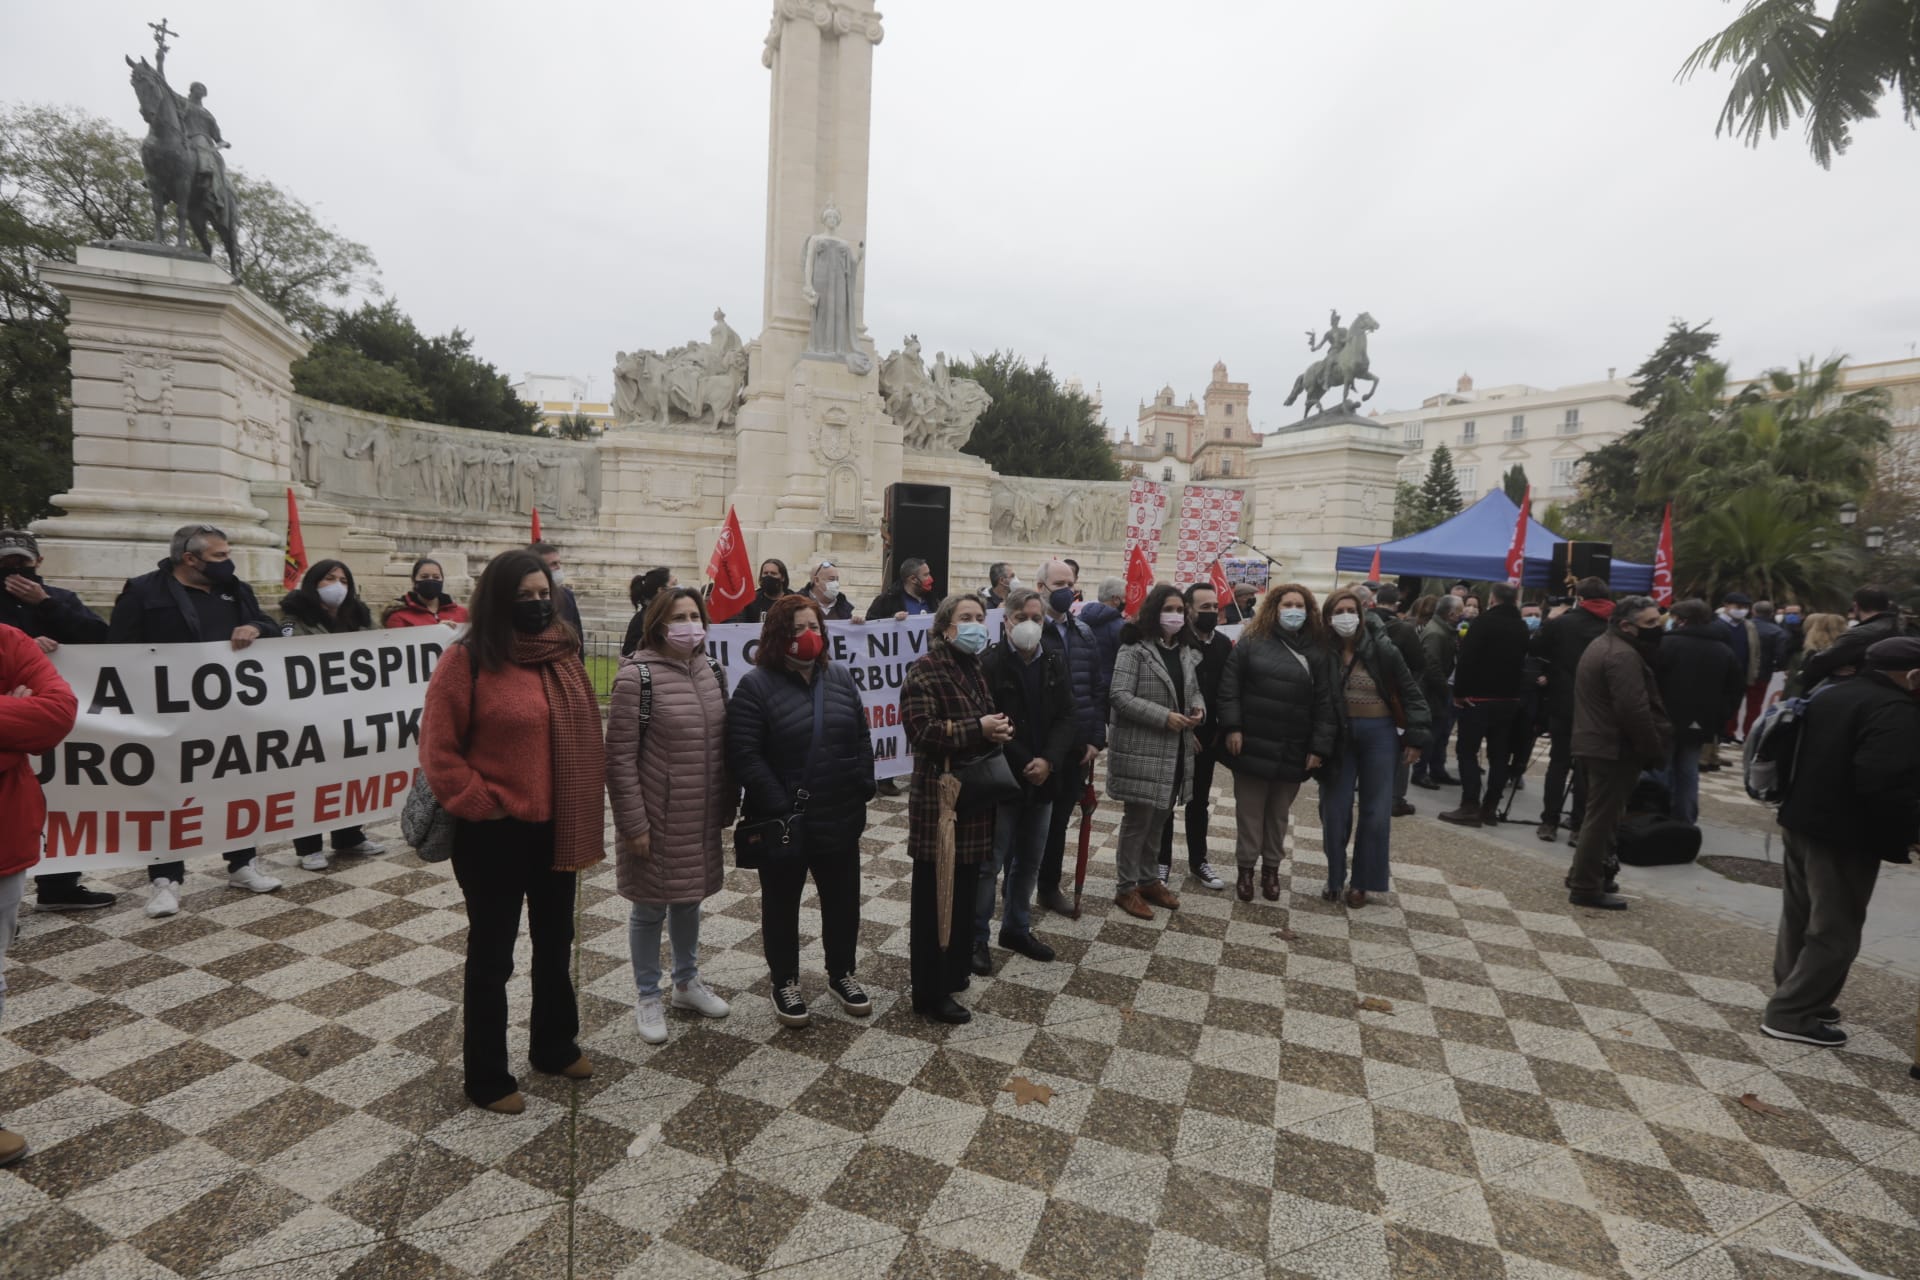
(672, 800)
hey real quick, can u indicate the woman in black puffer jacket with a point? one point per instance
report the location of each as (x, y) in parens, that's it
(770, 744)
(1276, 710)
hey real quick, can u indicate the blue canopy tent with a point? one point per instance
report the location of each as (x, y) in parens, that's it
(1473, 545)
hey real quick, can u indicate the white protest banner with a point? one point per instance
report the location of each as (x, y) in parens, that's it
(192, 749)
(1209, 527)
(877, 653)
(1146, 513)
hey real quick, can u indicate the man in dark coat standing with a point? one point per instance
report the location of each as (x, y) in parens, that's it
(50, 616)
(1561, 642)
(1620, 728)
(1852, 803)
(1439, 651)
(1486, 697)
(1064, 634)
(1875, 620)
(194, 596)
(1701, 683)
(1203, 608)
(565, 606)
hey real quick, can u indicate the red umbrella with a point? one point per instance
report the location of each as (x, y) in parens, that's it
(1088, 799)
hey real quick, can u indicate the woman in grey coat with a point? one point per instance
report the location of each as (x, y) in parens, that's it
(672, 799)
(1153, 706)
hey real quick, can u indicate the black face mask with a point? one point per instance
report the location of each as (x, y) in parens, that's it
(21, 571)
(531, 617)
(1206, 620)
(218, 571)
(427, 588)
(771, 586)
(1649, 640)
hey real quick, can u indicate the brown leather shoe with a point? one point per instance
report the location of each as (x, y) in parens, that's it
(1270, 882)
(579, 1069)
(12, 1146)
(511, 1105)
(1134, 905)
(1356, 898)
(1464, 816)
(1243, 888)
(1160, 896)
(1401, 809)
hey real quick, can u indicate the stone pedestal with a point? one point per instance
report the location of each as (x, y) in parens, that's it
(1316, 487)
(181, 406)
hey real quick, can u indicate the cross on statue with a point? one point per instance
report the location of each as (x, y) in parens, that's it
(160, 34)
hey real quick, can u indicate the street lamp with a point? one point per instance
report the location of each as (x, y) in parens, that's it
(1848, 514)
(1876, 538)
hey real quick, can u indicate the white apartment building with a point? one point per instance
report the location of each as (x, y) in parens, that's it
(1546, 431)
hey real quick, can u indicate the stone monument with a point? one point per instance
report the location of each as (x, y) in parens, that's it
(1344, 364)
(181, 156)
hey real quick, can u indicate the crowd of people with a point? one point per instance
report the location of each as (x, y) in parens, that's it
(1011, 726)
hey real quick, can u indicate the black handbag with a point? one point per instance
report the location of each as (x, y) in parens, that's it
(985, 779)
(769, 840)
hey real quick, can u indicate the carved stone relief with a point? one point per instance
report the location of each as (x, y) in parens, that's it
(670, 490)
(936, 411)
(1058, 513)
(146, 380)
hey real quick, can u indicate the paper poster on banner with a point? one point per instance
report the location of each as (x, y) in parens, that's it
(1209, 528)
(1146, 513)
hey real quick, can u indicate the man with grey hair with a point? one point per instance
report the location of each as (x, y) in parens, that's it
(193, 597)
(1620, 728)
(1000, 581)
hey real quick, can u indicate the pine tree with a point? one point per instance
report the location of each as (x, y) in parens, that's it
(1515, 483)
(1440, 491)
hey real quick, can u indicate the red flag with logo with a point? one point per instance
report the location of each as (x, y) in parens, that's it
(1517, 553)
(1139, 578)
(1373, 570)
(1221, 587)
(1663, 563)
(731, 571)
(296, 555)
(536, 525)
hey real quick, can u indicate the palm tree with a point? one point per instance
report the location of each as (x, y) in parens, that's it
(1750, 542)
(1791, 62)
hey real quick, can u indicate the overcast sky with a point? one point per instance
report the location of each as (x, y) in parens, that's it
(1131, 189)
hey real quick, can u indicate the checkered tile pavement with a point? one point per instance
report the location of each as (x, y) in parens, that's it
(268, 1086)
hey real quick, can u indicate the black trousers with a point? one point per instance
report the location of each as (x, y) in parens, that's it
(1562, 768)
(836, 876)
(177, 871)
(499, 864)
(1196, 815)
(938, 971)
(1067, 803)
(1491, 722)
(344, 838)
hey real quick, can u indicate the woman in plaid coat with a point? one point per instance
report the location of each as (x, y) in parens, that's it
(949, 715)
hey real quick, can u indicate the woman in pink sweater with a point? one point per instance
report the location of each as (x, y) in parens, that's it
(511, 745)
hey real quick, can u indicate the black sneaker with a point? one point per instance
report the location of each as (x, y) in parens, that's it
(1825, 1037)
(72, 900)
(788, 1006)
(1829, 1017)
(851, 995)
(1027, 945)
(982, 960)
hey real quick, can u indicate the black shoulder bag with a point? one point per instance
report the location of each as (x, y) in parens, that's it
(755, 844)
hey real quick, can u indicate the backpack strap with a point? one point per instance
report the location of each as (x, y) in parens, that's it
(719, 673)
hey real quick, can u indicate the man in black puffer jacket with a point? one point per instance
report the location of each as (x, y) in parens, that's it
(1486, 697)
(1561, 641)
(1853, 803)
(1701, 683)
(1079, 649)
(1203, 611)
(1875, 620)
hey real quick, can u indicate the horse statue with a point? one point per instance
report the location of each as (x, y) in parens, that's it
(183, 167)
(1344, 364)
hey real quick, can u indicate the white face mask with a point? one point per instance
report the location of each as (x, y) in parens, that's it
(1013, 584)
(1736, 614)
(332, 594)
(558, 575)
(830, 588)
(1346, 623)
(1026, 635)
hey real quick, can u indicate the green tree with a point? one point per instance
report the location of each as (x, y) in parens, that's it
(1748, 542)
(1514, 483)
(440, 379)
(572, 426)
(1440, 491)
(1035, 426)
(1409, 511)
(1790, 62)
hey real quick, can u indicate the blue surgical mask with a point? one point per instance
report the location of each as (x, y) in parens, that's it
(1293, 618)
(1533, 623)
(1061, 599)
(970, 637)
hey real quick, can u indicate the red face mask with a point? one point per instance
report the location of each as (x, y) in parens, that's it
(926, 582)
(806, 646)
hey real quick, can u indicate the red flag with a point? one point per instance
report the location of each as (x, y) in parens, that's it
(296, 556)
(1517, 553)
(1218, 573)
(1663, 563)
(731, 571)
(1139, 578)
(536, 525)
(1373, 570)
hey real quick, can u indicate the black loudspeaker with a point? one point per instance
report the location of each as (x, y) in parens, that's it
(918, 519)
(1576, 560)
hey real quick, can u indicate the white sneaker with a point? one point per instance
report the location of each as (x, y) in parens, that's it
(163, 899)
(697, 997)
(1206, 876)
(365, 849)
(650, 1015)
(249, 877)
(313, 861)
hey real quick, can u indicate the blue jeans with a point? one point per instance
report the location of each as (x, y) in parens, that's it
(1365, 763)
(643, 940)
(1019, 838)
(1433, 760)
(1683, 780)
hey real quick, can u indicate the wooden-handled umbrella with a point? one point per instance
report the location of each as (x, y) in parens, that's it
(1088, 799)
(943, 855)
